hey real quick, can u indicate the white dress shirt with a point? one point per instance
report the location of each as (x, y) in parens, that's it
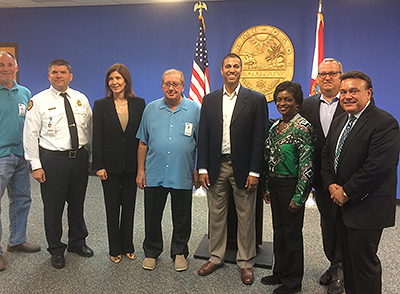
(228, 104)
(46, 124)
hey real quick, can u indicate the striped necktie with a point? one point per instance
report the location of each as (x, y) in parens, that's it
(341, 142)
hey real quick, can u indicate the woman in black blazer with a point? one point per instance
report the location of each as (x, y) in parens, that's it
(116, 119)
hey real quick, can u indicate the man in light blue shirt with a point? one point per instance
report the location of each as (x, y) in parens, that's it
(320, 110)
(166, 164)
(14, 170)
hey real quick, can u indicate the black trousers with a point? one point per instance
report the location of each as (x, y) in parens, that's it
(288, 235)
(66, 181)
(181, 206)
(330, 238)
(361, 265)
(120, 198)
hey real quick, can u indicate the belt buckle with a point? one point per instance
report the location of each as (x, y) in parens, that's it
(72, 154)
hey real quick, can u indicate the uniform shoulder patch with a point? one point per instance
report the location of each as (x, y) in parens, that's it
(30, 105)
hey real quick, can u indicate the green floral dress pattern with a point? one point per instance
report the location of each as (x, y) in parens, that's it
(291, 152)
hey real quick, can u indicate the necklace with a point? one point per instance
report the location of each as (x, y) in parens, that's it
(122, 104)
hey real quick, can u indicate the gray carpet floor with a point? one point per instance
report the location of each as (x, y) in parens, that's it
(33, 273)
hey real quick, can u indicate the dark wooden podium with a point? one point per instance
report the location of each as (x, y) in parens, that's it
(264, 249)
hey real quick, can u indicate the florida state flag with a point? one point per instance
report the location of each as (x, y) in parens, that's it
(318, 51)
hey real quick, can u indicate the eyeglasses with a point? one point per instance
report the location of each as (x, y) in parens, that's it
(352, 92)
(332, 74)
(174, 85)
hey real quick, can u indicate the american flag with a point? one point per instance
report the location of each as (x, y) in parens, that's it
(200, 81)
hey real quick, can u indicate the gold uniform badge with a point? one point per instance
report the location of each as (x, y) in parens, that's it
(30, 105)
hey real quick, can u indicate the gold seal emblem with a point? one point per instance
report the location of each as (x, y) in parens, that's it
(268, 58)
(79, 102)
(30, 105)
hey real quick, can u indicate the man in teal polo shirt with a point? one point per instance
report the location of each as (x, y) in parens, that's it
(14, 170)
(166, 164)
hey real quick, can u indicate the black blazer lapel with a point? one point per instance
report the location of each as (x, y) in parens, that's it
(315, 109)
(110, 107)
(132, 114)
(217, 105)
(360, 122)
(241, 102)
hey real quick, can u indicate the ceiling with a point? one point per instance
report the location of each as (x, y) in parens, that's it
(59, 3)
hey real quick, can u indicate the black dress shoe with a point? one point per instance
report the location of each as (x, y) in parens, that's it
(271, 280)
(336, 286)
(326, 278)
(286, 290)
(58, 261)
(84, 251)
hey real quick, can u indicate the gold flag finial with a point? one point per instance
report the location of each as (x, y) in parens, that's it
(320, 6)
(200, 5)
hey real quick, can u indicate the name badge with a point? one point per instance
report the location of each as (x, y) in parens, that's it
(188, 129)
(21, 109)
(50, 126)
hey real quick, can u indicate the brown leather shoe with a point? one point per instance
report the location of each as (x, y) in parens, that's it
(24, 247)
(247, 276)
(208, 268)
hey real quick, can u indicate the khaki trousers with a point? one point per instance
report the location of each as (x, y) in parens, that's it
(245, 203)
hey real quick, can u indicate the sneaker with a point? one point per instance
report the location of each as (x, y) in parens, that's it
(24, 247)
(2, 263)
(180, 263)
(149, 263)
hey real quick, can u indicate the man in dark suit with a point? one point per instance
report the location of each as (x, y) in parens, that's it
(232, 132)
(320, 110)
(359, 167)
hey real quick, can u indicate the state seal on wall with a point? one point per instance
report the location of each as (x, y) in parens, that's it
(268, 58)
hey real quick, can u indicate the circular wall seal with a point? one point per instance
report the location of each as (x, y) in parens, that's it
(268, 58)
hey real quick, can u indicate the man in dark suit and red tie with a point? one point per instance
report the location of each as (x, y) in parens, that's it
(232, 132)
(359, 168)
(320, 110)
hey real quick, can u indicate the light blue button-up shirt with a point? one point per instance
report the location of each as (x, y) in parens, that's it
(13, 105)
(171, 138)
(326, 112)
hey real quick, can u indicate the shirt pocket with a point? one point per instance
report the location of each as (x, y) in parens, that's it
(82, 119)
(53, 119)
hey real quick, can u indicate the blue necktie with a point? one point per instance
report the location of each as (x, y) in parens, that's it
(341, 142)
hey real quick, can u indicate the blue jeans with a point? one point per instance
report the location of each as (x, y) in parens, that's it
(14, 175)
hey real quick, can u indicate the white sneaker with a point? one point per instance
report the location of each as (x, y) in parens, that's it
(149, 263)
(180, 263)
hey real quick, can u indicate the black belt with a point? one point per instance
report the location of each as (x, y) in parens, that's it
(68, 153)
(280, 176)
(226, 157)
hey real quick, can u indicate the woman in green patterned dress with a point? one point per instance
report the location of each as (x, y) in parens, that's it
(289, 152)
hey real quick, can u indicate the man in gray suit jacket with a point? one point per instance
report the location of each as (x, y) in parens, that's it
(359, 167)
(320, 110)
(232, 132)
